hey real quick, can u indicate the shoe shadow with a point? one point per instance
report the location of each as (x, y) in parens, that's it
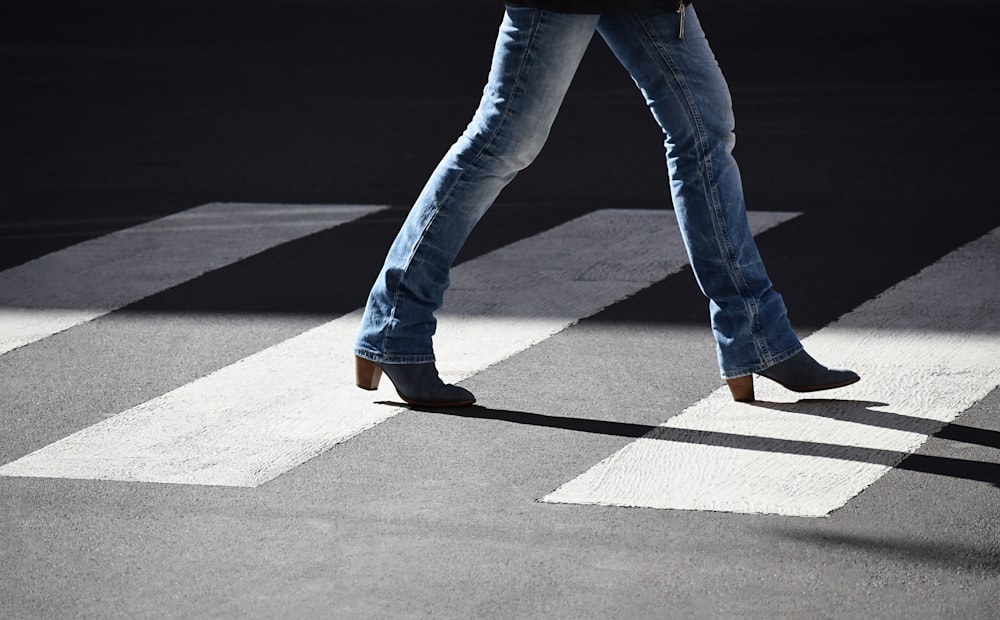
(860, 412)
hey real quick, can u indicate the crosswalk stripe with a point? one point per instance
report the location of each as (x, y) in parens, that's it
(78, 284)
(272, 411)
(927, 349)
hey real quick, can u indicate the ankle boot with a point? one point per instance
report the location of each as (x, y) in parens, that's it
(799, 373)
(417, 384)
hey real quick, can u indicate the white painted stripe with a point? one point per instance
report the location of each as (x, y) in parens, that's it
(251, 421)
(927, 350)
(66, 288)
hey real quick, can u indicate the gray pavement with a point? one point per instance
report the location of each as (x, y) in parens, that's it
(876, 122)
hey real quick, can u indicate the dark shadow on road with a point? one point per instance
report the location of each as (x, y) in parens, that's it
(907, 550)
(855, 411)
(862, 413)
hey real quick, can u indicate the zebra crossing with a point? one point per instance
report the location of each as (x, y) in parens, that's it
(78, 284)
(927, 349)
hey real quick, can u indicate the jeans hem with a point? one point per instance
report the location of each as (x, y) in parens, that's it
(757, 368)
(379, 358)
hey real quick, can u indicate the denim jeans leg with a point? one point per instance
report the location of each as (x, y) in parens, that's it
(535, 58)
(689, 98)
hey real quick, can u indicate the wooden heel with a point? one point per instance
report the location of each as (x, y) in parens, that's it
(741, 388)
(367, 373)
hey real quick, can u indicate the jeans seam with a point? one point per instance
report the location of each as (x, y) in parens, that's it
(529, 45)
(705, 158)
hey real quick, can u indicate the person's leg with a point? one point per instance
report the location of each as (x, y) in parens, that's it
(689, 98)
(536, 56)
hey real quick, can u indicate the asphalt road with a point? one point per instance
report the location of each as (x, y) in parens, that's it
(875, 121)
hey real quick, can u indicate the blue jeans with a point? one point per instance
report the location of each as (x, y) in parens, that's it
(536, 56)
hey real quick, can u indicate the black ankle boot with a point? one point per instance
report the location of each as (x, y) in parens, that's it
(417, 384)
(799, 373)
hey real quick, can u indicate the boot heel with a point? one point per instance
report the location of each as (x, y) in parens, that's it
(741, 388)
(367, 373)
